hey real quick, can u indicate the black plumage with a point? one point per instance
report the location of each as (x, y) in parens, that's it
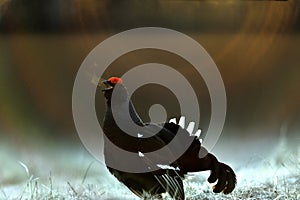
(169, 172)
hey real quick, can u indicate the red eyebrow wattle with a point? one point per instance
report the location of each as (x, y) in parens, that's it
(115, 80)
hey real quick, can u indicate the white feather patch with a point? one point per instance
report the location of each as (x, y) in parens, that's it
(182, 121)
(139, 135)
(141, 154)
(198, 133)
(191, 127)
(173, 120)
(167, 167)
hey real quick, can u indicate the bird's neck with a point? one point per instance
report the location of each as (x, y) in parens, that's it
(119, 111)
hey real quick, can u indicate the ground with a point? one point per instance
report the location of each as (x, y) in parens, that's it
(69, 172)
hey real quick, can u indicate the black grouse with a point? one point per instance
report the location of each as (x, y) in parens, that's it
(166, 177)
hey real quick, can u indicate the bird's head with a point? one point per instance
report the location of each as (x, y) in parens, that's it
(107, 86)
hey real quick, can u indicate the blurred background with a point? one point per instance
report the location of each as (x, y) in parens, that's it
(255, 44)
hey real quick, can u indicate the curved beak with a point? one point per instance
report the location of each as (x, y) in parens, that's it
(105, 85)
